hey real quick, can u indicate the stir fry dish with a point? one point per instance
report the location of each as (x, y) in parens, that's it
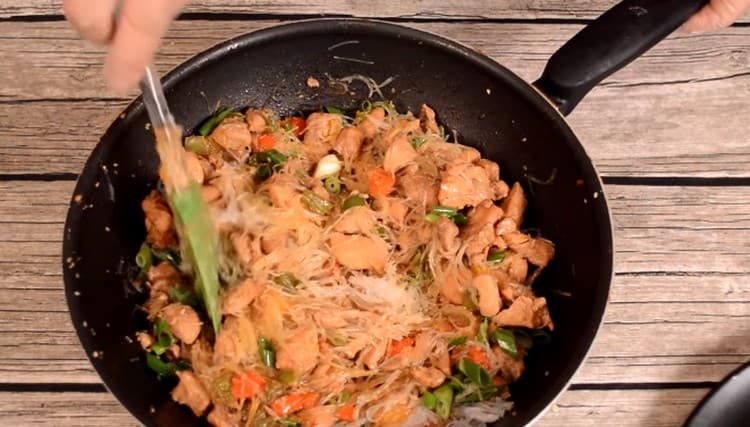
(373, 273)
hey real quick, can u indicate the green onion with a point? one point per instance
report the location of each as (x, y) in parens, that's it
(345, 395)
(523, 339)
(272, 122)
(333, 110)
(448, 212)
(315, 203)
(468, 300)
(222, 385)
(482, 334)
(443, 401)
(162, 368)
(429, 400)
(184, 296)
(287, 280)
(455, 342)
(274, 156)
(167, 255)
(267, 353)
(164, 337)
(505, 340)
(336, 340)
(495, 257)
(214, 120)
(417, 141)
(541, 336)
(443, 135)
(353, 201)
(198, 144)
(460, 219)
(287, 377)
(365, 106)
(288, 422)
(332, 184)
(143, 258)
(475, 373)
(263, 172)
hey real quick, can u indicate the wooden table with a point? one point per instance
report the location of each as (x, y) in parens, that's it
(670, 135)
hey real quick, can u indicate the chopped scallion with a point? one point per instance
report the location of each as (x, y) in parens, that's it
(267, 353)
(475, 373)
(287, 280)
(213, 121)
(459, 340)
(288, 422)
(333, 110)
(315, 203)
(143, 258)
(429, 400)
(198, 144)
(332, 184)
(505, 340)
(495, 257)
(482, 334)
(443, 401)
(417, 141)
(163, 336)
(184, 296)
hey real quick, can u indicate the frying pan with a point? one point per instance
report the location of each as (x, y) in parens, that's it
(518, 125)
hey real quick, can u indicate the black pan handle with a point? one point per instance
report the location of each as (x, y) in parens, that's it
(613, 40)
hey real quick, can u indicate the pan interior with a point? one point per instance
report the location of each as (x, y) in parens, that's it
(484, 104)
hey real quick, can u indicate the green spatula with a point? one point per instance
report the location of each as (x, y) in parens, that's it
(197, 234)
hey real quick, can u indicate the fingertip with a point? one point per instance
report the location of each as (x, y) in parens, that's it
(122, 78)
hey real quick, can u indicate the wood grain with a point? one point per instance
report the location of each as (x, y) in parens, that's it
(621, 408)
(682, 117)
(679, 306)
(422, 9)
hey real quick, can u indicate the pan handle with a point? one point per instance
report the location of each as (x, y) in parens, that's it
(613, 40)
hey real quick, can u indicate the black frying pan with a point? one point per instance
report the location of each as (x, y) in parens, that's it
(488, 106)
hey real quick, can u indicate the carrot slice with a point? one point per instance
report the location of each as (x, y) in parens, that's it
(478, 356)
(247, 385)
(400, 345)
(347, 413)
(380, 182)
(294, 402)
(298, 125)
(266, 142)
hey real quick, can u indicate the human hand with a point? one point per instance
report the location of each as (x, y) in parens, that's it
(716, 14)
(132, 41)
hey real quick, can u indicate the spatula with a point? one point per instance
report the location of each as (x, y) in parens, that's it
(197, 234)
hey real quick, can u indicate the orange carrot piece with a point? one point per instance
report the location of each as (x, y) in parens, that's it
(294, 402)
(380, 182)
(478, 356)
(347, 413)
(400, 345)
(266, 142)
(247, 385)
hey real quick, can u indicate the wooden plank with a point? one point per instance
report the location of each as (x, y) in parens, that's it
(617, 408)
(679, 306)
(423, 9)
(681, 118)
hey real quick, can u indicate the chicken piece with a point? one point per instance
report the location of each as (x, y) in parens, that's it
(395, 211)
(320, 133)
(190, 391)
(500, 188)
(161, 233)
(373, 354)
(359, 219)
(516, 267)
(155, 304)
(454, 282)
(237, 301)
(505, 225)
(464, 185)
(483, 214)
(359, 252)
(499, 243)
(348, 143)
(525, 312)
(492, 168)
(372, 123)
(487, 293)
(200, 353)
(419, 187)
(211, 193)
(256, 121)
(330, 320)
(469, 155)
(398, 154)
(428, 377)
(162, 277)
(234, 136)
(282, 190)
(246, 248)
(145, 340)
(514, 205)
(409, 125)
(509, 367)
(537, 251)
(218, 418)
(226, 346)
(447, 232)
(318, 416)
(299, 351)
(427, 120)
(194, 167)
(183, 321)
(274, 240)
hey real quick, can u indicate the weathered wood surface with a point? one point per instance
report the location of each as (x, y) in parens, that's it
(674, 112)
(420, 9)
(619, 408)
(679, 308)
